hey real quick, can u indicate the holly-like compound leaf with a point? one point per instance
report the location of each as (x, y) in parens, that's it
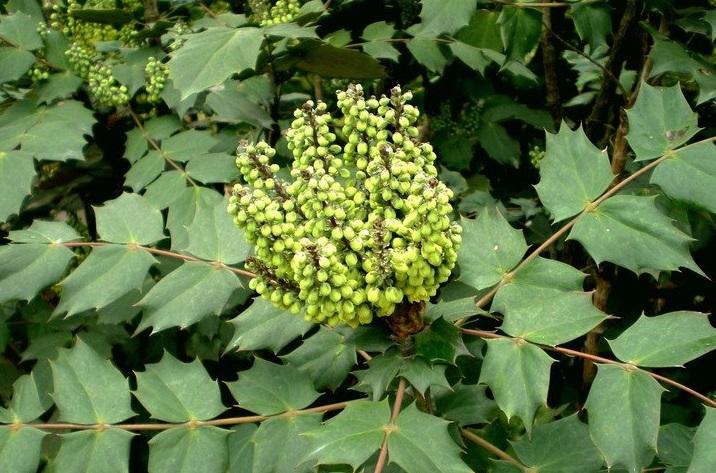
(188, 144)
(660, 120)
(27, 403)
(675, 446)
(129, 219)
(17, 169)
(182, 450)
(381, 371)
(689, 175)
(108, 273)
(467, 404)
(268, 388)
(630, 231)
(325, 357)
(241, 448)
(490, 249)
(20, 449)
(518, 375)
(173, 391)
(520, 30)
(704, 458)
(452, 310)
(428, 52)
(144, 171)
(213, 235)
(544, 303)
(42, 231)
(26, 269)
(88, 389)
(351, 437)
(101, 451)
(263, 325)
(573, 173)
(421, 374)
(629, 399)
(421, 444)
(438, 342)
(212, 56)
(166, 189)
(58, 86)
(16, 62)
(186, 295)
(445, 16)
(665, 340)
(545, 450)
(288, 432)
(20, 29)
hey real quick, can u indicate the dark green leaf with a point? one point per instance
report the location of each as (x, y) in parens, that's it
(26, 269)
(467, 405)
(20, 29)
(58, 86)
(289, 433)
(445, 16)
(704, 454)
(144, 171)
(329, 61)
(593, 22)
(427, 52)
(17, 169)
(520, 30)
(498, 144)
(182, 450)
(129, 219)
(438, 342)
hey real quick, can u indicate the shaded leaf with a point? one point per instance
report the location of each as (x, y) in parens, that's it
(182, 450)
(467, 404)
(438, 342)
(445, 16)
(103, 451)
(20, 449)
(704, 458)
(289, 434)
(26, 269)
(213, 235)
(17, 169)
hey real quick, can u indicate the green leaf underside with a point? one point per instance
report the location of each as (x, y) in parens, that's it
(544, 303)
(88, 389)
(704, 458)
(108, 273)
(571, 158)
(324, 357)
(407, 446)
(518, 375)
(186, 295)
(129, 219)
(352, 436)
(181, 450)
(624, 407)
(26, 269)
(490, 249)
(562, 446)
(268, 388)
(20, 449)
(212, 56)
(689, 175)
(173, 391)
(629, 231)
(665, 340)
(105, 451)
(264, 326)
(660, 120)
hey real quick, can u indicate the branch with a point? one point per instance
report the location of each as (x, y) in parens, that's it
(382, 457)
(156, 146)
(157, 251)
(484, 300)
(189, 425)
(599, 359)
(549, 62)
(474, 438)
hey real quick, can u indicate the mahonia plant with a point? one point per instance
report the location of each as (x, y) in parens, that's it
(282, 11)
(363, 226)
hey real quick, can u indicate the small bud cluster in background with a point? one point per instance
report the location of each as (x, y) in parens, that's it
(363, 227)
(282, 11)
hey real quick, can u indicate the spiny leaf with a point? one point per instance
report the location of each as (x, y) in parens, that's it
(571, 158)
(26, 269)
(325, 357)
(288, 432)
(129, 219)
(629, 399)
(467, 404)
(241, 448)
(20, 449)
(166, 189)
(213, 235)
(440, 16)
(421, 444)
(665, 340)
(268, 388)
(88, 389)
(630, 231)
(518, 375)
(104, 451)
(144, 171)
(43, 231)
(704, 458)
(675, 446)
(352, 436)
(562, 446)
(689, 175)
(661, 119)
(20, 29)
(173, 391)
(108, 273)
(186, 295)
(381, 371)
(188, 144)
(212, 56)
(490, 249)
(262, 325)
(438, 342)
(27, 403)
(182, 450)
(17, 169)
(544, 303)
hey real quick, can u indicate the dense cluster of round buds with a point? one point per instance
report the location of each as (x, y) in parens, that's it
(156, 74)
(363, 226)
(39, 72)
(94, 66)
(282, 11)
(536, 154)
(465, 124)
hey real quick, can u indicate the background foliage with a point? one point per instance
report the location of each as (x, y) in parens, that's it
(573, 337)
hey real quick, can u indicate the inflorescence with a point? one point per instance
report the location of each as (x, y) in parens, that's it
(363, 227)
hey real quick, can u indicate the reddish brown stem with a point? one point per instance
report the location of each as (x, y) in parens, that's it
(383, 455)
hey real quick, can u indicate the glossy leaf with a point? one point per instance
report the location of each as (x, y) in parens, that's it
(573, 173)
(173, 391)
(629, 399)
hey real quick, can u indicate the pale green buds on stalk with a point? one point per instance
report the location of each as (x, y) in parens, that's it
(363, 227)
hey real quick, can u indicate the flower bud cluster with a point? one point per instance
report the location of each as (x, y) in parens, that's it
(363, 226)
(282, 11)
(156, 74)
